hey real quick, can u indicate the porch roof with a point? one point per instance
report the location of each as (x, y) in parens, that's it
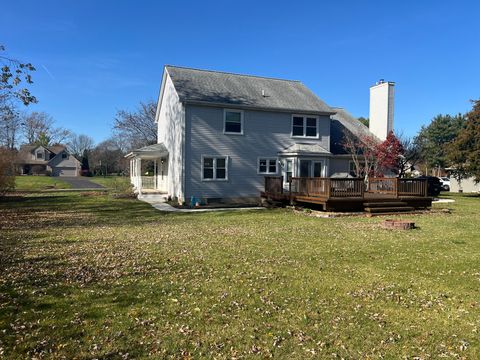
(149, 152)
(305, 149)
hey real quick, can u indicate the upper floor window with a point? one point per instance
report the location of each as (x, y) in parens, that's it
(39, 155)
(233, 122)
(64, 156)
(215, 168)
(267, 165)
(305, 126)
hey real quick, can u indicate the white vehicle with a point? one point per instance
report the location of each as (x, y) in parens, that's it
(445, 181)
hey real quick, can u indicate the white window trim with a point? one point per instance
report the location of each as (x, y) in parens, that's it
(305, 127)
(268, 159)
(225, 120)
(215, 157)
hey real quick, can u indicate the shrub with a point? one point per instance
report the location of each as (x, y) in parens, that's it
(7, 171)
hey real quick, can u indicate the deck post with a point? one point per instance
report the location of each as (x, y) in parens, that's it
(329, 184)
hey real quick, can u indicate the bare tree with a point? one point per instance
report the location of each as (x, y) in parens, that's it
(107, 157)
(411, 154)
(363, 151)
(9, 127)
(138, 128)
(78, 144)
(39, 127)
(15, 76)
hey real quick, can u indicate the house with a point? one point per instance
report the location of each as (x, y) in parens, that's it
(220, 134)
(46, 160)
(468, 185)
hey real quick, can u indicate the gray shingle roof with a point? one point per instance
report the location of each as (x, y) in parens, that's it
(305, 149)
(25, 152)
(204, 86)
(151, 150)
(344, 122)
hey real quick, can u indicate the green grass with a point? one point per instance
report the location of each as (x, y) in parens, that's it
(109, 181)
(35, 183)
(96, 277)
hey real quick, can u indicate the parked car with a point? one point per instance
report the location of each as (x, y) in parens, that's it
(434, 186)
(445, 181)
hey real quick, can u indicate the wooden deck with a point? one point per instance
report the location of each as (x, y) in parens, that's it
(351, 194)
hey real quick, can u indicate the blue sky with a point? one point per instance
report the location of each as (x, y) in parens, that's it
(96, 57)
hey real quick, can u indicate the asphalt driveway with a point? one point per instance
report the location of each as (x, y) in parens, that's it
(81, 183)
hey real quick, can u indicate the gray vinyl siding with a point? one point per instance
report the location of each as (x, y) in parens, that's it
(265, 134)
(68, 166)
(59, 161)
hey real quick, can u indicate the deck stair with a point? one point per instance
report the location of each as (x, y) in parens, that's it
(387, 207)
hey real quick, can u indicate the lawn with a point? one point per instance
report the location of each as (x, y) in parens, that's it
(35, 183)
(94, 277)
(110, 181)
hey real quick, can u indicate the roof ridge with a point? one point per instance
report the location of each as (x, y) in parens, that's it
(232, 73)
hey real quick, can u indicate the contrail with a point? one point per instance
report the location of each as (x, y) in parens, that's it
(48, 72)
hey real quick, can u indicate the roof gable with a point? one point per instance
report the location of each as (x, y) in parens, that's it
(57, 156)
(344, 122)
(221, 88)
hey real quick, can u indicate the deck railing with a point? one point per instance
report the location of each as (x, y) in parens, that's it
(397, 187)
(386, 186)
(412, 187)
(346, 187)
(327, 187)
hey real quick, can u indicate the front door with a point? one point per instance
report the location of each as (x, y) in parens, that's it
(162, 174)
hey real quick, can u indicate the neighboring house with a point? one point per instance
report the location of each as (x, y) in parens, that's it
(46, 160)
(220, 134)
(467, 185)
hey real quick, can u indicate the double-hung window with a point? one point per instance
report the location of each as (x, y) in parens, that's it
(215, 168)
(305, 126)
(267, 165)
(233, 122)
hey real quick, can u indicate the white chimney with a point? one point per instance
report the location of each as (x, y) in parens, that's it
(381, 108)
